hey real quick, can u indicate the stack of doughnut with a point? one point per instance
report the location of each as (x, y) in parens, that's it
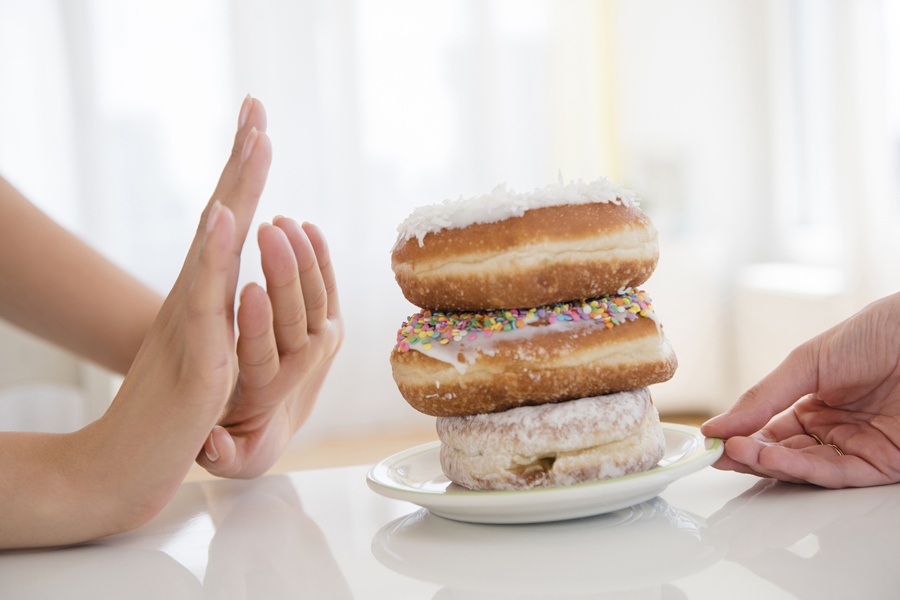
(534, 347)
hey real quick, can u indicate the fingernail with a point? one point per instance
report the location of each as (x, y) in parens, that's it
(213, 216)
(276, 218)
(210, 450)
(248, 144)
(245, 111)
(262, 226)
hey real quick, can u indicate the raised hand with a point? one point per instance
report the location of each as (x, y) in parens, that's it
(289, 335)
(841, 388)
(120, 470)
(186, 364)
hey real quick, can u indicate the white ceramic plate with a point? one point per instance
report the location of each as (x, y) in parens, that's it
(415, 476)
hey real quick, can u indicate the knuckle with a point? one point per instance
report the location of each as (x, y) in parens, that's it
(310, 266)
(288, 284)
(294, 348)
(236, 149)
(198, 309)
(804, 354)
(752, 396)
(319, 301)
(258, 359)
(331, 289)
(296, 320)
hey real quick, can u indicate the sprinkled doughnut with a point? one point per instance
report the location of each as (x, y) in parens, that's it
(505, 249)
(553, 444)
(455, 364)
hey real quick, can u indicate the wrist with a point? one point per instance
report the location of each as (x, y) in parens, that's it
(101, 478)
(52, 492)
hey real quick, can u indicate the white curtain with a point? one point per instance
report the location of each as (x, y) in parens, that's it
(116, 117)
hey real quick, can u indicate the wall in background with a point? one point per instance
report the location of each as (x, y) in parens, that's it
(755, 132)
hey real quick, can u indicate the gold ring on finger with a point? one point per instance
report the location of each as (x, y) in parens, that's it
(821, 443)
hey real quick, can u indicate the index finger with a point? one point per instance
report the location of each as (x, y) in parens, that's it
(783, 427)
(794, 378)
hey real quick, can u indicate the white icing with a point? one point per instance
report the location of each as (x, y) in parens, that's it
(487, 346)
(503, 204)
(655, 318)
(461, 347)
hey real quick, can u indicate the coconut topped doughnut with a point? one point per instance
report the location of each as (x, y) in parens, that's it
(505, 249)
(502, 204)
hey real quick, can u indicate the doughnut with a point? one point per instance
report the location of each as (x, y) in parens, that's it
(457, 364)
(503, 250)
(553, 444)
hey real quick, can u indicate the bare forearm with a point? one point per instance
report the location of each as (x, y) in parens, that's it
(49, 495)
(55, 286)
(111, 476)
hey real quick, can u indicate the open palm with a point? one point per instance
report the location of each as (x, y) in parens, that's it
(289, 335)
(842, 387)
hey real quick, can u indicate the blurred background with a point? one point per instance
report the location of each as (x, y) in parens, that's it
(762, 137)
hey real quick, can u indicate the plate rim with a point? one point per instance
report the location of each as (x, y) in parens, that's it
(664, 473)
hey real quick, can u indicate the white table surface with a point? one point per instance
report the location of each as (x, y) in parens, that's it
(324, 534)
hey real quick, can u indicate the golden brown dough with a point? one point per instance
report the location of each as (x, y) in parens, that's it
(548, 255)
(535, 365)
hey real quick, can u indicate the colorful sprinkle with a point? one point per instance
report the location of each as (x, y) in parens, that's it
(427, 327)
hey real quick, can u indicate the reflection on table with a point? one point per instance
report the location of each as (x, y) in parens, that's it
(323, 534)
(568, 559)
(816, 543)
(262, 546)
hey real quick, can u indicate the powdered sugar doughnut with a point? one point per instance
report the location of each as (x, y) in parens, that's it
(454, 364)
(504, 249)
(553, 444)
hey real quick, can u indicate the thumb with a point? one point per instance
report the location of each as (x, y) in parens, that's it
(795, 377)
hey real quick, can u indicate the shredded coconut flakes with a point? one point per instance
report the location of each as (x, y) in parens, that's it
(503, 204)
